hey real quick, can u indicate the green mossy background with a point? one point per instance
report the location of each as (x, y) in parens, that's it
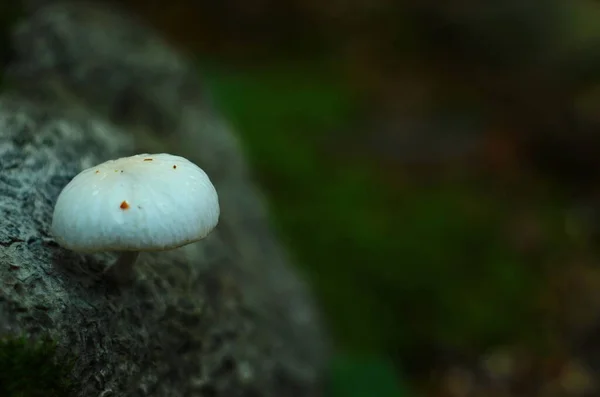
(397, 269)
(370, 243)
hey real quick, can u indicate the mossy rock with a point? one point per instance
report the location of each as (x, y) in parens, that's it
(28, 368)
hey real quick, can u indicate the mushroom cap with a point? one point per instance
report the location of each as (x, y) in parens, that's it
(146, 202)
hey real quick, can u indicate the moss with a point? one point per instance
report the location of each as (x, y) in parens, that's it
(29, 369)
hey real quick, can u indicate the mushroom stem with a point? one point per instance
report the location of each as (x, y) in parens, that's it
(122, 269)
(127, 259)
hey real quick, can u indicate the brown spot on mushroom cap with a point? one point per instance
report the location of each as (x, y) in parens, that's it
(124, 205)
(148, 159)
(97, 171)
(174, 166)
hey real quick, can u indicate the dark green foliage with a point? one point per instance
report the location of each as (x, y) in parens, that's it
(394, 270)
(29, 369)
(10, 13)
(364, 376)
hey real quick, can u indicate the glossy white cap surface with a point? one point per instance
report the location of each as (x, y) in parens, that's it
(147, 202)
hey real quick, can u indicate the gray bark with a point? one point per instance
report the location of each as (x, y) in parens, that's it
(227, 316)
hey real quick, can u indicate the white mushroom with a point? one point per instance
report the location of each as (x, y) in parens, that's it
(146, 202)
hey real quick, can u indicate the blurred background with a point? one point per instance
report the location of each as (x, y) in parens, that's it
(433, 167)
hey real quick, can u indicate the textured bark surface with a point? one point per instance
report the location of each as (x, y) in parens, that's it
(223, 317)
